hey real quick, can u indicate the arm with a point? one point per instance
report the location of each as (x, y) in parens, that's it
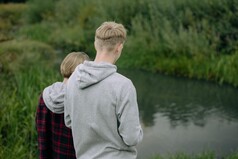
(54, 97)
(128, 117)
(67, 118)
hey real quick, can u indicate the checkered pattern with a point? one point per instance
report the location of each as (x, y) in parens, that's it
(54, 138)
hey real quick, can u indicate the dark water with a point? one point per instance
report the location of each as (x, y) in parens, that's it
(185, 116)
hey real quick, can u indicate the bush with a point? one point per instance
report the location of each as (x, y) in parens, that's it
(17, 55)
(37, 32)
(182, 33)
(40, 10)
(10, 19)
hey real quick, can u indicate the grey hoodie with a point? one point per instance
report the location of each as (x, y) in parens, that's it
(101, 108)
(54, 97)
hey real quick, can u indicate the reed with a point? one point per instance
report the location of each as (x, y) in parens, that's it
(18, 107)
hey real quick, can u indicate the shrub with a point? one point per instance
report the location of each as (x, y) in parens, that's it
(10, 19)
(40, 10)
(16, 55)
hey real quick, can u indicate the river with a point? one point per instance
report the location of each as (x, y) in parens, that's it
(181, 115)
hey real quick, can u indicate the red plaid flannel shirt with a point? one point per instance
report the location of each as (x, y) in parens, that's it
(54, 138)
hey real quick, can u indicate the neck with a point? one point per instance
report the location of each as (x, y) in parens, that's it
(65, 80)
(105, 57)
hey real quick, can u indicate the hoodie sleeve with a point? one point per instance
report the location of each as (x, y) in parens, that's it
(128, 117)
(67, 118)
(54, 97)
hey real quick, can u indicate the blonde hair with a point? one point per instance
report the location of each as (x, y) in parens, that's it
(109, 34)
(71, 61)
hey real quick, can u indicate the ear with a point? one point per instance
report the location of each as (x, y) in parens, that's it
(94, 44)
(97, 48)
(119, 47)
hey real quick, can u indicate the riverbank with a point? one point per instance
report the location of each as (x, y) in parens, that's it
(194, 40)
(206, 155)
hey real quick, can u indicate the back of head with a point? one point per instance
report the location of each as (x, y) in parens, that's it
(71, 61)
(109, 34)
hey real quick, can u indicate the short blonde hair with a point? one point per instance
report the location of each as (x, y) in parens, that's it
(109, 34)
(71, 61)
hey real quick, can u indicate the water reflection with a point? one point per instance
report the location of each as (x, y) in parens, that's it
(181, 108)
(182, 100)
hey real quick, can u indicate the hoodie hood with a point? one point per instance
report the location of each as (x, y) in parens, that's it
(90, 72)
(54, 97)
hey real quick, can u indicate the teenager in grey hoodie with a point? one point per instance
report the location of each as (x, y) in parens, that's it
(101, 104)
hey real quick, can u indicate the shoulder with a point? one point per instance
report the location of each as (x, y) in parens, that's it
(53, 85)
(121, 78)
(121, 82)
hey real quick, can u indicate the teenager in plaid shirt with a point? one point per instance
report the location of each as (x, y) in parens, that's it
(54, 138)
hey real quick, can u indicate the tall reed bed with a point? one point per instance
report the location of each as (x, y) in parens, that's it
(18, 107)
(26, 67)
(188, 38)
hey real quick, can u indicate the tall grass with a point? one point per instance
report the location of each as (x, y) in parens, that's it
(159, 32)
(18, 106)
(184, 27)
(205, 155)
(26, 67)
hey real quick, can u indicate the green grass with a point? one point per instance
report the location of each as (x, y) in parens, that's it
(195, 39)
(18, 107)
(219, 69)
(205, 155)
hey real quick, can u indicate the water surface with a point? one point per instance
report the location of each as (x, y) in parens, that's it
(185, 116)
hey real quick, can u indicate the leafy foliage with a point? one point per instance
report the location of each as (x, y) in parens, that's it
(196, 39)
